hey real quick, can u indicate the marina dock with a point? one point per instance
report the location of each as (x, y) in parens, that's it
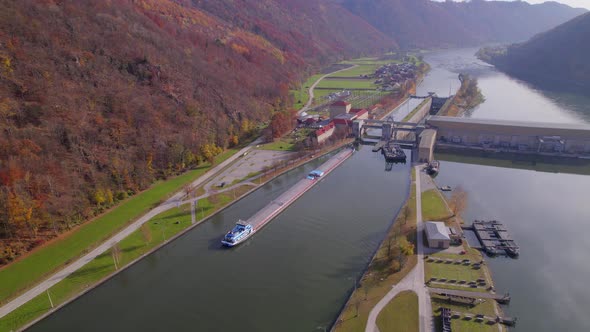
(500, 298)
(494, 238)
(279, 204)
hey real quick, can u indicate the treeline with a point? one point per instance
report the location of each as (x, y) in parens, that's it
(100, 99)
(467, 97)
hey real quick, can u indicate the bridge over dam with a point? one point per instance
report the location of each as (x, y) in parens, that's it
(443, 132)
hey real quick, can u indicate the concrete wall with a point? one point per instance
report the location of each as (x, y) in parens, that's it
(422, 112)
(336, 110)
(440, 244)
(323, 137)
(574, 139)
(426, 146)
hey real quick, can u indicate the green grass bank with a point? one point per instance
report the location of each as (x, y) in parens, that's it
(32, 268)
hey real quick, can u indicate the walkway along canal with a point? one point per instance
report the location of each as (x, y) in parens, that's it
(293, 276)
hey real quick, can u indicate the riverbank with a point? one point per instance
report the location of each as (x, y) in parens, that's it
(441, 275)
(393, 260)
(30, 269)
(161, 231)
(385, 271)
(468, 97)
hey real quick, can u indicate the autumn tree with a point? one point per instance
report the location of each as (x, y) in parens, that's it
(406, 247)
(281, 123)
(458, 201)
(209, 151)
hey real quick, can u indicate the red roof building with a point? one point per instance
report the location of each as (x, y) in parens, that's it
(322, 134)
(360, 113)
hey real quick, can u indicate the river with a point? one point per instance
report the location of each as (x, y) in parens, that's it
(546, 213)
(296, 273)
(293, 275)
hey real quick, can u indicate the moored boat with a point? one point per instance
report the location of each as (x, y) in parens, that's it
(393, 153)
(433, 167)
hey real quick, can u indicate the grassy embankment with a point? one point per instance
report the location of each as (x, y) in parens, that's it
(31, 268)
(383, 271)
(287, 142)
(434, 208)
(45, 260)
(161, 228)
(400, 314)
(301, 96)
(155, 232)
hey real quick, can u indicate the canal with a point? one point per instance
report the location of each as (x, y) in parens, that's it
(293, 275)
(296, 273)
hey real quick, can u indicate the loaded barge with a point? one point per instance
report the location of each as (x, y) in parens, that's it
(245, 229)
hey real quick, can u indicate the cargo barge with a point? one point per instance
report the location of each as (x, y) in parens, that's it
(245, 229)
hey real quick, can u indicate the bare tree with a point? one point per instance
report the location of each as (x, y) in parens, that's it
(116, 253)
(458, 201)
(190, 190)
(405, 213)
(146, 233)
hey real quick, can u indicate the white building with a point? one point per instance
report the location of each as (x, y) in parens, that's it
(437, 234)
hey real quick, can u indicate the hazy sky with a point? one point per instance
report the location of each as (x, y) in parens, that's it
(573, 3)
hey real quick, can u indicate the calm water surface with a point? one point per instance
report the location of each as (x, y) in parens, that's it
(506, 98)
(548, 214)
(294, 275)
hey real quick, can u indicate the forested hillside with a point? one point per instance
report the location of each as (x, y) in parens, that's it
(425, 23)
(100, 98)
(555, 60)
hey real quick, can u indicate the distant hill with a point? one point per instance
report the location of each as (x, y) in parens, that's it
(556, 60)
(425, 23)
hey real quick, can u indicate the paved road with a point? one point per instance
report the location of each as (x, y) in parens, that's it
(310, 91)
(255, 161)
(174, 201)
(413, 281)
(426, 321)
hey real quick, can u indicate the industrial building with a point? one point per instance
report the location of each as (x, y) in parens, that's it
(339, 107)
(437, 234)
(513, 135)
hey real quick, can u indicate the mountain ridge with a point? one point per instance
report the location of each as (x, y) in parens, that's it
(425, 23)
(554, 60)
